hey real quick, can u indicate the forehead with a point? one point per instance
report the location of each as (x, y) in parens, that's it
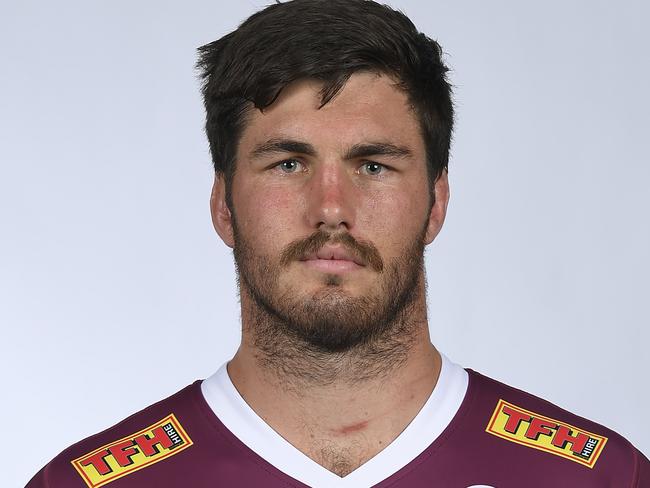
(369, 107)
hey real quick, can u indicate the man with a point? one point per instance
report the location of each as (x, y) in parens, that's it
(329, 125)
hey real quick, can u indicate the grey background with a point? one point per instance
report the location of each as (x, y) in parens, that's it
(115, 291)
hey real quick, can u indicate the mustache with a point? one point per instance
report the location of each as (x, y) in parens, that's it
(364, 251)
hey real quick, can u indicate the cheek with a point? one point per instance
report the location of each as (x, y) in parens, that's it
(264, 215)
(392, 216)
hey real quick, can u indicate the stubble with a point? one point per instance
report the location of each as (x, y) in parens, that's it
(330, 337)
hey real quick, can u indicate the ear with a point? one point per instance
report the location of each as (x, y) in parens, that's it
(439, 208)
(221, 216)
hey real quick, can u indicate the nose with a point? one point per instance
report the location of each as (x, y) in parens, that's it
(331, 198)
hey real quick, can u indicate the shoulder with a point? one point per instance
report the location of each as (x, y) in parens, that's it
(538, 431)
(149, 436)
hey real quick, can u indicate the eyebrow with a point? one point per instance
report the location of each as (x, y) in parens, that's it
(361, 150)
(378, 149)
(282, 145)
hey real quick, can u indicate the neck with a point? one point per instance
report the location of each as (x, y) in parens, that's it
(370, 392)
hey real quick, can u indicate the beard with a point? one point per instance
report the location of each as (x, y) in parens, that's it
(329, 333)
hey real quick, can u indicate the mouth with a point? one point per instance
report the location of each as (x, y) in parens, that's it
(333, 259)
(331, 265)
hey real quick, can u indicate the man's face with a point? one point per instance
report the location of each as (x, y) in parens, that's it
(331, 210)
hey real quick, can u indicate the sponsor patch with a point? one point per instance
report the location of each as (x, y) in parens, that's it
(133, 452)
(531, 429)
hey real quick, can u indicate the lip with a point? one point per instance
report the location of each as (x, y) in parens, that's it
(333, 259)
(332, 265)
(333, 253)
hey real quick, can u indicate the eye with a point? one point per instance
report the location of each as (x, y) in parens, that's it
(373, 169)
(288, 165)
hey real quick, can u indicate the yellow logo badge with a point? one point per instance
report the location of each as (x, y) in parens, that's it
(531, 429)
(131, 453)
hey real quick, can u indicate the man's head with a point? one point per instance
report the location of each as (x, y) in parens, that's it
(326, 41)
(329, 125)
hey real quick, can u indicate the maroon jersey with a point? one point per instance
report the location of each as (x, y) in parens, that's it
(473, 432)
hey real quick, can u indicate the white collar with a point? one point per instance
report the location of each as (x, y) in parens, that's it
(238, 417)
